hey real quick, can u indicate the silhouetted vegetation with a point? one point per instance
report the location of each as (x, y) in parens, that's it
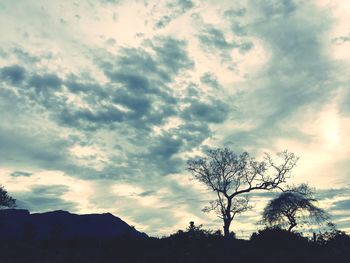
(293, 205)
(193, 244)
(233, 176)
(5, 199)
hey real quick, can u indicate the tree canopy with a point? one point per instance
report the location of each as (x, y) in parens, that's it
(232, 176)
(293, 205)
(6, 201)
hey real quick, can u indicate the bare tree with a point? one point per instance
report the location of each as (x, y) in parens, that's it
(232, 176)
(293, 205)
(5, 199)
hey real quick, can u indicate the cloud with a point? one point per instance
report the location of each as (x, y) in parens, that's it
(175, 10)
(224, 43)
(295, 77)
(173, 55)
(341, 39)
(42, 198)
(147, 193)
(341, 205)
(15, 74)
(209, 113)
(19, 147)
(19, 173)
(210, 80)
(214, 38)
(137, 93)
(44, 82)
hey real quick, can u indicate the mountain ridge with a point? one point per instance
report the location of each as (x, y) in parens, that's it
(19, 224)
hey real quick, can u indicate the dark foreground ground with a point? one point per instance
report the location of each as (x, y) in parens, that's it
(266, 246)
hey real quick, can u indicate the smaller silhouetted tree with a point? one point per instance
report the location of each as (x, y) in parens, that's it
(6, 201)
(293, 205)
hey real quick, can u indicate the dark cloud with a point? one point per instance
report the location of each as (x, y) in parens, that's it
(276, 8)
(25, 56)
(42, 198)
(110, 1)
(215, 38)
(343, 205)
(332, 193)
(19, 174)
(81, 87)
(139, 105)
(215, 112)
(173, 55)
(236, 18)
(132, 61)
(138, 93)
(342, 39)
(134, 81)
(164, 21)
(35, 149)
(232, 13)
(166, 146)
(185, 4)
(210, 80)
(45, 190)
(15, 74)
(46, 81)
(147, 193)
(19, 147)
(214, 41)
(175, 9)
(137, 97)
(91, 120)
(140, 85)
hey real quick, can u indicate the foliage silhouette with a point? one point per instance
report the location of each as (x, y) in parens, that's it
(292, 206)
(193, 244)
(233, 176)
(6, 201)
(197, 232)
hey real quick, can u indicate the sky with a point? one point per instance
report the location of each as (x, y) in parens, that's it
(102, 102)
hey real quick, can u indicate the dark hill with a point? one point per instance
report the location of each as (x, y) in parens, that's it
(17, 224)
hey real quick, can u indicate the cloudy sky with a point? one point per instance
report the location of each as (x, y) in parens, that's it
(103, 101)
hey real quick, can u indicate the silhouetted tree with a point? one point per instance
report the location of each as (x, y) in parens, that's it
(193, 228)
(197, 232)
(291, 206)
(6, 201)
(232, 176)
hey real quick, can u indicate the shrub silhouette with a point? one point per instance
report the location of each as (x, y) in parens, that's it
(276, 236)
(6, 201)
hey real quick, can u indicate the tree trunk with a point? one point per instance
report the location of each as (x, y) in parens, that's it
(291, 226)
(227, 217)
(227, 223)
